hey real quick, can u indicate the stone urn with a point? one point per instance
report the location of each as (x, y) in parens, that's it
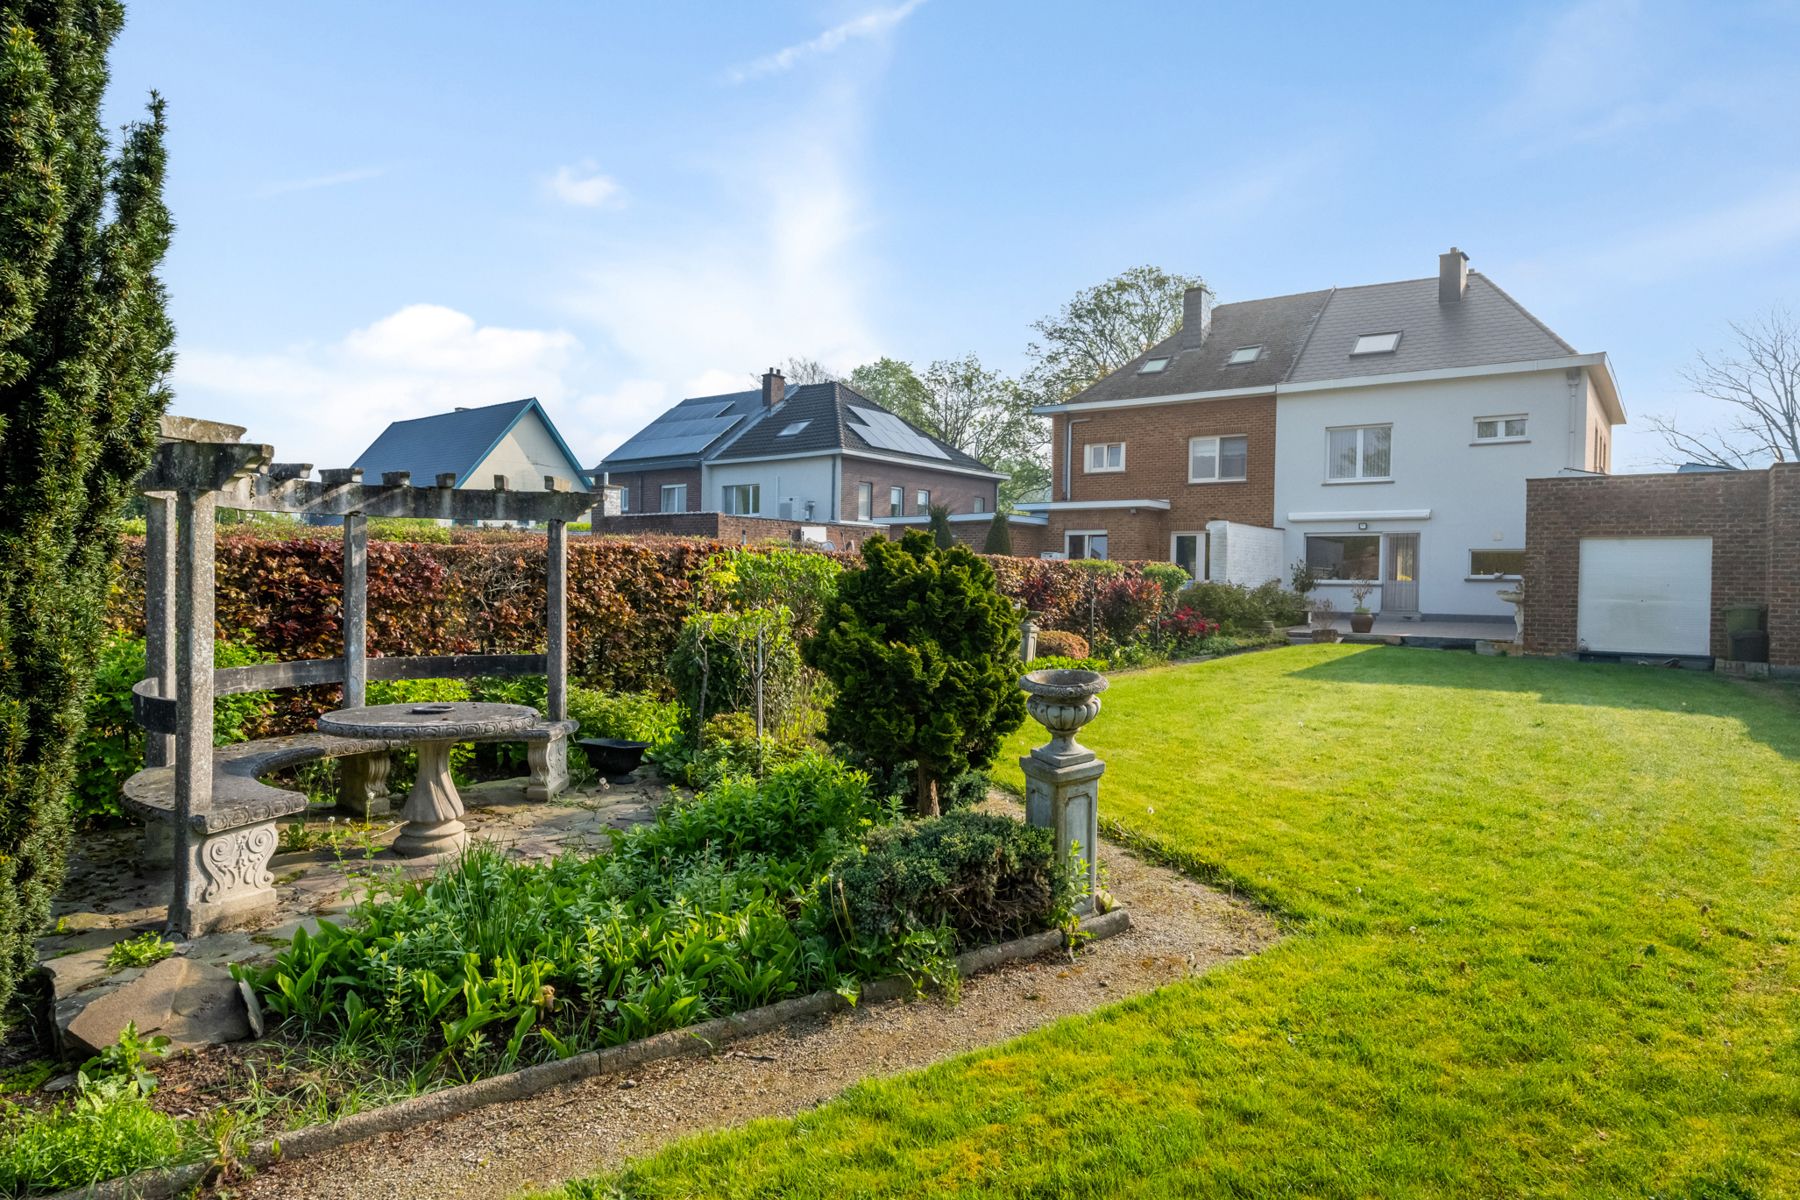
(1516, 597)
(1062, 702)
(1062, 777)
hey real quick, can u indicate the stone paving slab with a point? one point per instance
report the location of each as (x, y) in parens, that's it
(111, 895)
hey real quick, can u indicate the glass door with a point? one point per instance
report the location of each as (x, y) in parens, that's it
(1400, 589)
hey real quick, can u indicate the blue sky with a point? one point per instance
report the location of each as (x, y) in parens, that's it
(389, 209)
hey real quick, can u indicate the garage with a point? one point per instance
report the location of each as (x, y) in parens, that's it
(1646, 595)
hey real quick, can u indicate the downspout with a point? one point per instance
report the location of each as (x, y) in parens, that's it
(1069, 452)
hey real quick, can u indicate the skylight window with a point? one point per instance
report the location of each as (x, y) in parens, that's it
(1153, 365)
(796, 427)
(1376, 343)
(1244, 354)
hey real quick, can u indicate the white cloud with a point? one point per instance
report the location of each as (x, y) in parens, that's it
(324, 403)
(585, 187)
(872, 24)
(336, 178)
(773, 265)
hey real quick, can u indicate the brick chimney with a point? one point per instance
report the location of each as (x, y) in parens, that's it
(774, 387)
(1196, 316)
(1453, 276)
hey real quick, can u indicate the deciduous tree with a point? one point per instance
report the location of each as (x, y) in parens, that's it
(1759, 379)
(1103, 328)
(84, 352)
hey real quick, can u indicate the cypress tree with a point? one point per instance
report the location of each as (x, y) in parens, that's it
(999, 535)
(940, 526)
(84, 352)
(920, 644)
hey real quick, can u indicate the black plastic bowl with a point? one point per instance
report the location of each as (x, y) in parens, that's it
(613, 757)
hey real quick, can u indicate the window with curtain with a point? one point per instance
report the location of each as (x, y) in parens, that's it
(1212, 459)
(865, 501)
(1359, 452)
(741, 499)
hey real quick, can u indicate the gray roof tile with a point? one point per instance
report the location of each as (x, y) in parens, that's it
(829, 426)
(1487, 326)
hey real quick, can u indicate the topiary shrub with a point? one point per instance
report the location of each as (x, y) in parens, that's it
(983, 877)
(999, 534)
(1057, 643)
(920, 646)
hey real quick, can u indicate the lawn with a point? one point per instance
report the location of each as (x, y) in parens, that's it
(1542, 920)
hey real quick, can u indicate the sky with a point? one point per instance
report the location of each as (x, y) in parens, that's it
(387, 210)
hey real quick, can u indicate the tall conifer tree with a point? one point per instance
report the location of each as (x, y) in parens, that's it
(84, 354)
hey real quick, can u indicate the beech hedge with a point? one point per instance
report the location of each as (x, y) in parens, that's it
(483, 593)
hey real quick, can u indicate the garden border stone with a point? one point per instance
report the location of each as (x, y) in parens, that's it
(159, 1183)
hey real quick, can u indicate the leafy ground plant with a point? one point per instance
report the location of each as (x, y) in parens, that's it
(144, 950)
(1542, 919)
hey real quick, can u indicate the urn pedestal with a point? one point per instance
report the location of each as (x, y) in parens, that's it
(1062, 777)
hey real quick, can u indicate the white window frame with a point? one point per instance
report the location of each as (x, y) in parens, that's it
(1087, 536)
(980, 504)
(896, 501)
(1360, 455)
(624, 499)
(1244, 355)
(732, 490)
(680, 494)
(1502, 437)
(1202, 551)
(922, 498)
(1218, 459)
(1105, 467)
(865, 501)
(1358, 350)
(1474, 550)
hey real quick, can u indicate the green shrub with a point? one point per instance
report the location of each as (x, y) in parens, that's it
(999, 534)
(980, 876)
(801, 581)
(1171, 578)
(922, 649)
(715, 664)
(702, 912)
(1245, 611)
(416, 530)
(628, 716)
(1057, 643)
(112, 749)
(108, 1129)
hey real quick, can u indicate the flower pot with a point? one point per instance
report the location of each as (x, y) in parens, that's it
(1362, 622)
(614, 758)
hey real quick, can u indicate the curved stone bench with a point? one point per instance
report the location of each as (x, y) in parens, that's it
(234, 836)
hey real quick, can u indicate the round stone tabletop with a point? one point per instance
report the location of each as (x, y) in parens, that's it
(426, 721)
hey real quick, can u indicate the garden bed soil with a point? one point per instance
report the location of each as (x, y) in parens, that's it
(1179, 928)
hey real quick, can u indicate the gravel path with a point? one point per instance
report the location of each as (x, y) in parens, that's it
(1178, 928)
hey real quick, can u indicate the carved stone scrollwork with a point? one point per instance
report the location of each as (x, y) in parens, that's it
(237, 861)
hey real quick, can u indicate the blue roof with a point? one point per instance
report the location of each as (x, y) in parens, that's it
(454, 443)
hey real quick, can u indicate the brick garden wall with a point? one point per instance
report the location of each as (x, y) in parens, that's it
(1752, 517)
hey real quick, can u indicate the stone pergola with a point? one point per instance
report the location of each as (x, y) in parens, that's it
(223, 823)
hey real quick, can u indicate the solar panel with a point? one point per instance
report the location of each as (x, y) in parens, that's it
(677, 433)
(887, 432)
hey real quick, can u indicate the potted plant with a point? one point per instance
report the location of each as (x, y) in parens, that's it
(1361, 619)
(1322, 628)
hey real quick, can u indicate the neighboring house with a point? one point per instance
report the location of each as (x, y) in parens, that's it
(809, 453)
(515, 441)
(1382, 433)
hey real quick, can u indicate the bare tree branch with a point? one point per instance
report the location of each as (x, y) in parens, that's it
(1760, 379)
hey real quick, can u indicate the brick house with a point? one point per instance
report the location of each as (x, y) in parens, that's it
(816, 453)
(1649, 564)
(1381, 433)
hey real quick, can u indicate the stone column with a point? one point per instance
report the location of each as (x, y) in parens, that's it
(1028, 632)
(556, 592)
(1062, 777)
(362, 778)
(194, 697)
(159, 615)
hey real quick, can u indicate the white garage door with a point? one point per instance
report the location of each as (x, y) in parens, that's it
(1646, 595)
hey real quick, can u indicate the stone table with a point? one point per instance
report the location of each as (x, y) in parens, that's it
(433, 810)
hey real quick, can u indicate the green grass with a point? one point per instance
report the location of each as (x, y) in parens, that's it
(1541, 938)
